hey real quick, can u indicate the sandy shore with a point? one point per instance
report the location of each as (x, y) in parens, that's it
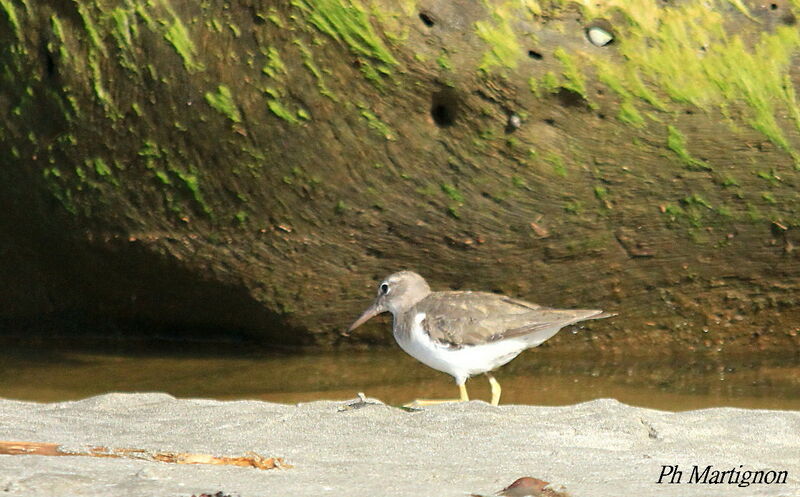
(596, 449)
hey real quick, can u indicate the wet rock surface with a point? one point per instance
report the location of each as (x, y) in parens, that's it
(255, 170)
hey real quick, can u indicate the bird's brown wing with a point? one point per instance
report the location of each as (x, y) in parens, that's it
(471, 318)
(544, 319)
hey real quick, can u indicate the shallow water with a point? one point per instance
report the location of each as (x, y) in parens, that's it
(48, 373)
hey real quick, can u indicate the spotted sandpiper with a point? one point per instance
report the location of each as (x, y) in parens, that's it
(465, 333)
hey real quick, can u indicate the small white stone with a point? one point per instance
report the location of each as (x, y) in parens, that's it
(514, 121)
(599, 36)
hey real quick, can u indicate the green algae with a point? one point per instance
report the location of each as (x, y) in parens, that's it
(628, 114)
(687, 52)
(375, 123)
(601, 193)
(54, 183)
(729, 181)
(696, 200)
(444, 62)
(347, 22)
(192, 183)
(58, 32)
(769, 176)
(277, 108)
(100, 167)
(222, 101)
(96, 51)
(557, 162)
(677, 143)
(504, 49)
(371, 74)
(274, 65)
(548, 83)
(90, 27)
(214, 25)
(573, 207)
(163, 177)
(573, 77)
(11, 13)
(275, 105)
(159, 162)
(640, 90)
(124, 31)
(308, 63)
(178, 36)
(140, 8)
(533, 85)
(275, 19)
(100, 91)
(742, 8)
(452, 192)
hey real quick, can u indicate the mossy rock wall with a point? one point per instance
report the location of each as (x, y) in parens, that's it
(257, 167)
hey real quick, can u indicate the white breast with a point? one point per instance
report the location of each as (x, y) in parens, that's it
(461, 363)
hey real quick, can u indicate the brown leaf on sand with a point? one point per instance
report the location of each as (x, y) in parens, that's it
(528, 487)
(251, 459)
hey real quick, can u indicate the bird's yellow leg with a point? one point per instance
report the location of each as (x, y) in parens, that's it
(462, 388)
(496, 390)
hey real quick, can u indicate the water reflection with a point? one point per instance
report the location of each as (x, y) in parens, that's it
(544, 377)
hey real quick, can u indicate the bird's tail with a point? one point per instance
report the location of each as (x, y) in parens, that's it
(602, 315)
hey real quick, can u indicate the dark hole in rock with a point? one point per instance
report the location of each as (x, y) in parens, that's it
(570, 98)
(442, 115)
(47, 57)
(533, 54)
(550, 121)
(773, 6)
(50, 64)
(373, 252)
(426, 19)
(444, 107)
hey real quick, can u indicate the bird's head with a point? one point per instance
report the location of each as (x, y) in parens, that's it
(397, 293)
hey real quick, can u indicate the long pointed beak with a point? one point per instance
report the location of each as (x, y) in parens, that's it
(373, 311)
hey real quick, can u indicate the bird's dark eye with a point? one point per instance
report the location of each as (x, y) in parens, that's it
(384, 288)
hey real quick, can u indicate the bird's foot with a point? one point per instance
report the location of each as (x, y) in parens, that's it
(463, 397)
(431, 402)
